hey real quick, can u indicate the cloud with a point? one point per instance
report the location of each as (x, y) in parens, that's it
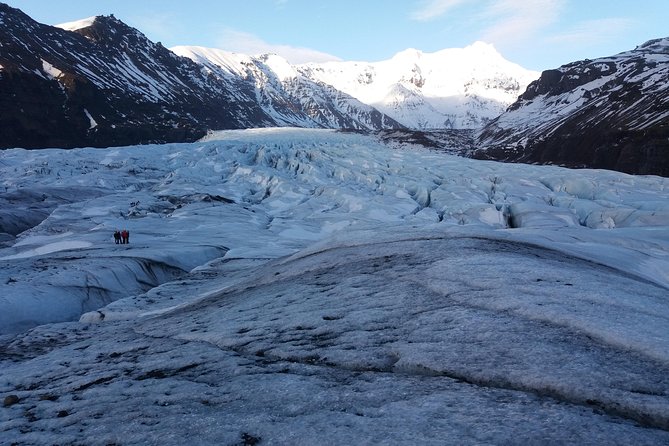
(502, 22)
(246, 43)
(431, 9)
(593, 32)
(516, 21)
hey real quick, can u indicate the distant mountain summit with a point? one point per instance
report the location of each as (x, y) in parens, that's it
(611, 112)
(452, 88)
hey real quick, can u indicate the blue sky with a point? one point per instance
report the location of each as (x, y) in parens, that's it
(537, 34)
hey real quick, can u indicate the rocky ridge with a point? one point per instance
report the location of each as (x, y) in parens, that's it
(611, 113)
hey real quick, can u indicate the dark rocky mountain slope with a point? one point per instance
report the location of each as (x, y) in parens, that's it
(106, 84)
(610, 113)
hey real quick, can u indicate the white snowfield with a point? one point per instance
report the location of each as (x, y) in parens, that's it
(286, 286)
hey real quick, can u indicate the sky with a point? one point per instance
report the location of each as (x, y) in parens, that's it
(537, 34)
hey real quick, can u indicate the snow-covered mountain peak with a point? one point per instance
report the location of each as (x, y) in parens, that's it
(476, 53)
(237, 64)
(100, 21)
(107, 30)
(455, 87)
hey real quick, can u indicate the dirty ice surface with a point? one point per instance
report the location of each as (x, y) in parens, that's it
(312, 287)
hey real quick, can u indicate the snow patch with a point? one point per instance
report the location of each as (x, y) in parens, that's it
(77, 24)
(50, 70)
(92, 121)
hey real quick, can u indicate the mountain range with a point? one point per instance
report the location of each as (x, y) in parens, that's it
(450, 89)
(102, 83)
(99, 82)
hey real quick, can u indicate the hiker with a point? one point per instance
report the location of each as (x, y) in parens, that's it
(125, 236)
(117, 236)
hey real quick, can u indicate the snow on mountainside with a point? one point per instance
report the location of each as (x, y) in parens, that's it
(452, 88)
(286, 95)
(77, 24)
(104, 83)
(292, 286)
(611, 112)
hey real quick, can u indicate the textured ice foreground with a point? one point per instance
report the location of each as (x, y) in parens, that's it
(330, 290)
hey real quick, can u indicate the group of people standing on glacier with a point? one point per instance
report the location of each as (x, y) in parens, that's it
(122, 237)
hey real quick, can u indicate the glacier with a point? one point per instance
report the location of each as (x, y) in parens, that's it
(313, 286)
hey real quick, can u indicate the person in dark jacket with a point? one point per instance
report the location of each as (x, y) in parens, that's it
(117, 237)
